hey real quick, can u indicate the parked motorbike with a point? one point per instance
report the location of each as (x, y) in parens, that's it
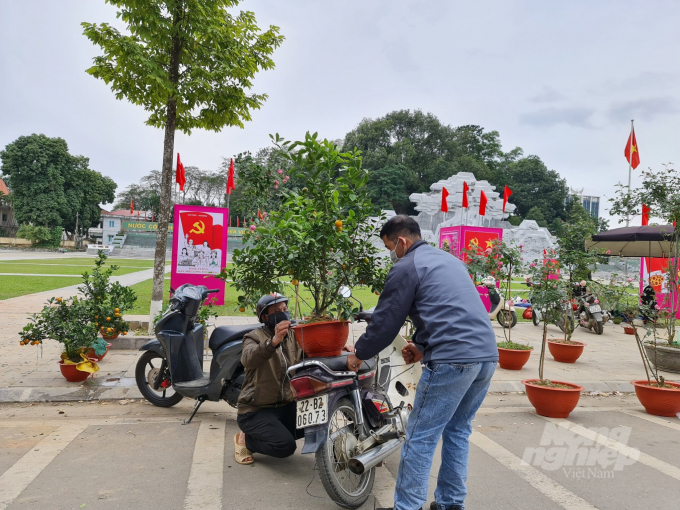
(588, 311)
(350, 420)
(556, 315)
(501, 310)
(172, 364)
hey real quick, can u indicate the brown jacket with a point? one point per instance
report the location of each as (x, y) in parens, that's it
(267, 383)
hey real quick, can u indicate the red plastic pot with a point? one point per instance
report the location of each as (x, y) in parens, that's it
(107, 336)
(513, 359)
(629, 330)
(90, 353)
(71, 373)
(566, 353)
(322, 339)
(658, 401)
(553, 402)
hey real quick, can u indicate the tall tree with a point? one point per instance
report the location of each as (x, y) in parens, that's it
(52, 188)
(190, 63)
(533, 185)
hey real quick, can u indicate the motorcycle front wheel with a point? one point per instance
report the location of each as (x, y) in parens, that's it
(599, 327)
(506, 318)
(345, 488)
(148, 367)
(534, 318)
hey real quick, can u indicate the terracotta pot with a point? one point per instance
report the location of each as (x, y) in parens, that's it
(629, 330)
(565, 353)
(513, 359)
(106, 336)
(553, 402)
(71, 373)
(91, 354)
(658, 401)
(322, 339)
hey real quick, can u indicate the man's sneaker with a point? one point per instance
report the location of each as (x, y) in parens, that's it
(435, 506)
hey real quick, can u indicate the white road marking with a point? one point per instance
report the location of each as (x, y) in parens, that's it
(27, 468)
(632, 453)
(659, 420)
(545, 485)
(204, 490)
(383, 488)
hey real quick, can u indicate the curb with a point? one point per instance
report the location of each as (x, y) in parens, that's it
(129, 343)
(590, 386)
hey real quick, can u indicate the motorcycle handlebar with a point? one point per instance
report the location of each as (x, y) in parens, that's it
(212, 291)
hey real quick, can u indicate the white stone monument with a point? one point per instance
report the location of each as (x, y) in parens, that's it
(532, 238)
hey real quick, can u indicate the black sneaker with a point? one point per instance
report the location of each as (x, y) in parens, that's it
(435, 506)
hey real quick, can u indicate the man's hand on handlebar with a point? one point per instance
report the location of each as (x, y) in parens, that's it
(280, 333)
(411, 354)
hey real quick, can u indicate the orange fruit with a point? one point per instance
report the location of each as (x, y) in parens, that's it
(96, 316)
(117, 314)
(108, 330)
(295, 282)
(124, 333)
(338, 223)
(96, 324)
(117, 310)
(108, 318)
(59, 300)
(366, 260)
(241, 309)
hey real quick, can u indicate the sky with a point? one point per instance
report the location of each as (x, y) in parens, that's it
(562, 80)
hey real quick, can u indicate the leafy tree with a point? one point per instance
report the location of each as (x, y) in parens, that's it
(533, 185)
(190, 64)
(50, 187)
(387, 188)
(536, 215)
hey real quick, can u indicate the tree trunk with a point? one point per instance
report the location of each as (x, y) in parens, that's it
(165, 208)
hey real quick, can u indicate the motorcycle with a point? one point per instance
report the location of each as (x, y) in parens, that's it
(588, 311)
(501, 310)
(350, 420)
(172, 364)
(556, 315)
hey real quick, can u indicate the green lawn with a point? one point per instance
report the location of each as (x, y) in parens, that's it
(84, 261)
(143, 291)
(76, 270)
(13, 286)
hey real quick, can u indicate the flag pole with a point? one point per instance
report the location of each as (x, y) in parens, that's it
(630, 166)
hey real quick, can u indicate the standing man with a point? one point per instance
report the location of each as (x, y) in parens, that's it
(457, 346)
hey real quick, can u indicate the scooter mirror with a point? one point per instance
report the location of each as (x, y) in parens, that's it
(345, 292)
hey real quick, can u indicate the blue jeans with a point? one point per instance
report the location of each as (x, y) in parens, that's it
(447, 398)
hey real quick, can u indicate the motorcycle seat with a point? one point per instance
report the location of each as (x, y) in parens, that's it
(339, 363)
(223, 334)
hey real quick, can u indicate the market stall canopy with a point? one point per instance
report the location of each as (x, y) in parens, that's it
(644, 241)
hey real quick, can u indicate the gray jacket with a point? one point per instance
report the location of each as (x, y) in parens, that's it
(435, 290)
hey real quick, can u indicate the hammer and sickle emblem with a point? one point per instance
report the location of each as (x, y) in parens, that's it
(199, 227)
(474, 243)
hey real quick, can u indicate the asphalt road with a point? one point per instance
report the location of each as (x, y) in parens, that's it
(108, 455)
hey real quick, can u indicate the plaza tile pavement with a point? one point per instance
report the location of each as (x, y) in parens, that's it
(29, 373)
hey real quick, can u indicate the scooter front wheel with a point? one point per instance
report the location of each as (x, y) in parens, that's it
(147, 369)
(506, 318)
(345, 488)
(534, 318)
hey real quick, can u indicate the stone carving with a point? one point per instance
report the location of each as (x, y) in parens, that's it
(534, 239)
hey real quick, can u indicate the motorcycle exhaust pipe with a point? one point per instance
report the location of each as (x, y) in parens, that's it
(367, 460)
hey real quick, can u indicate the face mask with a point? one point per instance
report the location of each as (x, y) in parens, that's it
(274, 318)
(393, 254)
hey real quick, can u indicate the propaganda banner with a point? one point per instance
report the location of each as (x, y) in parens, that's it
(199, 247)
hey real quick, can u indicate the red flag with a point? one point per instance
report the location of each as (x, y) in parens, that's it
(506, 194)
(465, 198)
(445, 205)
(153, 216)
(180, 176)
(482, 204)
(259, 214)
(131, 208)
(230, 178)
(632, 150)
(237, 222)
(645, 215)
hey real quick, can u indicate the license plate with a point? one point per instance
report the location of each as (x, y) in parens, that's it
(595, 308)
(312, 411)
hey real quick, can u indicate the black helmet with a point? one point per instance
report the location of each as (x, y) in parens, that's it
(266, 301)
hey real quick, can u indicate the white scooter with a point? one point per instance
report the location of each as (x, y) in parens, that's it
(501, 310)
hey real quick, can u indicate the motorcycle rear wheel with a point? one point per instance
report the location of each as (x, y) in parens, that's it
(506, 318)
(345, 488)
(159, 397)
(534, 318)
(599, 327)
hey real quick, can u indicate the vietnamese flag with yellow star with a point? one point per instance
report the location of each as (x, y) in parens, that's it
(632, 154)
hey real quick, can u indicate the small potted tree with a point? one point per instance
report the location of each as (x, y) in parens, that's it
(68, 322)
(500, 260)
(660, 191)
(107, 300)
(320, 238)
(555, 399)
